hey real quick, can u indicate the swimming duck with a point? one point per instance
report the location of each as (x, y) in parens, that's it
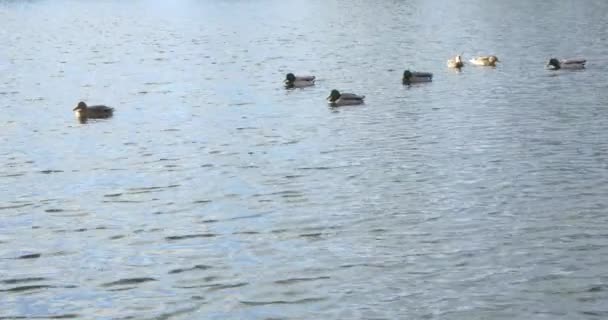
(456, 62)
(571, 64)
(293, 81)
(486, 61)
(410, 77)
(338, 99)
(92, 112)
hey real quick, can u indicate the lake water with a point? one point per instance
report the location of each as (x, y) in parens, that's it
(214, 193)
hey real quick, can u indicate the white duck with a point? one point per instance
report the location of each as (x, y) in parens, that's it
(456, 62)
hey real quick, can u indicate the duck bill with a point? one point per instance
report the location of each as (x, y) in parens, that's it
(75, 109)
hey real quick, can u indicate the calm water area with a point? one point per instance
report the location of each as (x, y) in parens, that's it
(215, 193)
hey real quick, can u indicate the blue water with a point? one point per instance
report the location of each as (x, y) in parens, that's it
(214, 193)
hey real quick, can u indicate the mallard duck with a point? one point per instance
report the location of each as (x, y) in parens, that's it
(571, 64)
(456, 62)
(338, 99)
(410, 77)
(92, 112)
(486, 61)
(293, 81)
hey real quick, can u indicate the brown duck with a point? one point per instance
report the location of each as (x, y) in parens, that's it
(83, 111)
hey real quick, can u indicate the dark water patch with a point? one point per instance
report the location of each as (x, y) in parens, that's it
(53, 210)
(17, 206)
(597, 288)
(297, 280)
(195, 268)
(366, 265)
(30, 256)
(122, 289)
(216, 287)
(150, 189)
(191, 236)
(12, 175)
(263, 303)
(173, 314)
(294, 176)
(201, 201)
(128, 281)
(124, 201)
(111, 195)
(238, 104)
(598, 314)
(290, 142)
(284, 194)
(61, 316)
(246, 232)
(22, 280)
(50, 171)
(27, 288)
(311, 235)
(246, 217)
(317, 168)
(120, 236)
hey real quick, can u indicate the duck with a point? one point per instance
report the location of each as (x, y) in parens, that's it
(83, 111)
(572, 64)
(485, 61)
(456, 62)
(410, 77)
(293, 81)
(337, 99)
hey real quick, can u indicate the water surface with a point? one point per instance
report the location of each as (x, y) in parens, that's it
(214, 193)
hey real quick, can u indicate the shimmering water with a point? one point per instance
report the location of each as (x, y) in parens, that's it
(213, 193)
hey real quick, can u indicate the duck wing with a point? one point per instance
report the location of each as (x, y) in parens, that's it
(422, 74)
(305, 78)
(101, 108)
(351, 96)
(574, 61)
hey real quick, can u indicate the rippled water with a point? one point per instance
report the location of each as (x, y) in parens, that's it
(214, 193)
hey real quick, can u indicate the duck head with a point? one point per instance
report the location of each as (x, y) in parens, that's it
(407, 75)
(333, 96)
(80, 107)
(553, 63)
(290, 78)
(493, 59)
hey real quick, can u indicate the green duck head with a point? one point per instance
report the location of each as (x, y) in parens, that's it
(553, 63)
(334, 95)
(407, 75)
(290, 77)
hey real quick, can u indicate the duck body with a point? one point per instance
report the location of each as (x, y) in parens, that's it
(337, 99)
(569, 64)
(293, 81)
(93, 112)
(455, 62)
(485, 61)
(410, 77)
